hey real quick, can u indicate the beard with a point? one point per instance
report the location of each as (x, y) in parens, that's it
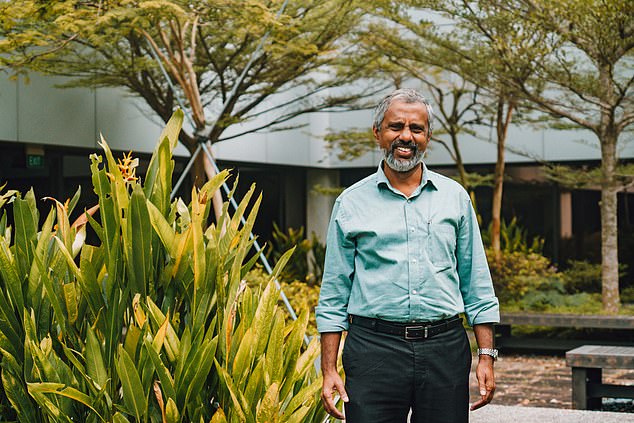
(402, 165)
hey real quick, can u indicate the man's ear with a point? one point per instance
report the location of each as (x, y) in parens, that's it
(375, 131)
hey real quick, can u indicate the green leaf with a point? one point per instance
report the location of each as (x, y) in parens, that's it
(25, 218)
(171, 412)
(244, 356)
(268, 408)
(240, 404)
(95, 366)
(219, 417)
(167, 382)
(16, 393)
(134, 397)
(70, 299)
(263, 319)
(65, 391)
(163, 229)
(119, 418)
(138, 242)
(10, 275)
(275, 348)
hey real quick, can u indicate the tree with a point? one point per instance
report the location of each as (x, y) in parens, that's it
(459, 47)
(383, 54)
(213, 52)
(582, 73)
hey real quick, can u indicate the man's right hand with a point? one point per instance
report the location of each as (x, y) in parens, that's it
(333, 386)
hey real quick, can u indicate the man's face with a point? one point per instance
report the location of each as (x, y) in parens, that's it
(403, 136)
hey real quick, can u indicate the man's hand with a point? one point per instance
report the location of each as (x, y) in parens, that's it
(486, 381)
(484, 370)
(333, 384)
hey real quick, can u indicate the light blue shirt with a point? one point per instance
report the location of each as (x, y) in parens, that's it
(405, 259)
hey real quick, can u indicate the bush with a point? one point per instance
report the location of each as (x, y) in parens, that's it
(514, 238)
(582, 276)
(156, 321)
(307, 261)
(518, 272)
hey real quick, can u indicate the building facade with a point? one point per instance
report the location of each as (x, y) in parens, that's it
(47, 134)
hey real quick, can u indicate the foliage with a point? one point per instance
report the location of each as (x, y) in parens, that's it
(306, 264)
(250, 65)
(302, 295)
(582, 276)
(518, 272)
(584, 177)
(514, 238)
(155, 322)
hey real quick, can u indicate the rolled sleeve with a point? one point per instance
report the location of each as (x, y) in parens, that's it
(480, 303)
(332, 310)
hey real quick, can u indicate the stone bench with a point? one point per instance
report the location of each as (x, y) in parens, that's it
(587, 363)
(505, 341)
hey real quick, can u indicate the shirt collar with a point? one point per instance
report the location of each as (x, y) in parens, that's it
(429, 178)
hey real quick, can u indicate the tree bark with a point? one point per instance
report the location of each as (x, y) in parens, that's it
(609, 224)
(502, 124)
(608, 137)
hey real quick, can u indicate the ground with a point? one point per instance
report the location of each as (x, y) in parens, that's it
(545, 381)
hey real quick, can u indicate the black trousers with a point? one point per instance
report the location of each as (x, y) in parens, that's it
(386, 376)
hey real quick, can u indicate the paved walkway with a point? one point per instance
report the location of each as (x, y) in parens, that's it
(515, 414)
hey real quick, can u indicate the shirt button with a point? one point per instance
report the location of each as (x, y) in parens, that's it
(412, 230)
(413, 260)
(414, 292)
(409, 201)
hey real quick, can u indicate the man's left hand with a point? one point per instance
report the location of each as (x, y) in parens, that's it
(486, 381)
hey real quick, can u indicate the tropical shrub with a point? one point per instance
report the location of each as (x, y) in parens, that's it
(156, 322)
(307, 262)
(516, 273)
(514, 238)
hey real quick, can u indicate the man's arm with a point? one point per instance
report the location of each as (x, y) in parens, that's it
(332, 381)
(484, 370)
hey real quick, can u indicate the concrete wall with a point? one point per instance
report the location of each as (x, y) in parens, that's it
(38, 112)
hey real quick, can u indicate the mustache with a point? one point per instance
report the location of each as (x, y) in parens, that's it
(399, 143)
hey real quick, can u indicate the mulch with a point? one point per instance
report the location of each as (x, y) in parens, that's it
(545, 381)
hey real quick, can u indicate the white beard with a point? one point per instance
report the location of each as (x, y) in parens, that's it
(402, 165)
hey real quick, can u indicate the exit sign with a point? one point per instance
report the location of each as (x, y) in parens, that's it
(34, 160)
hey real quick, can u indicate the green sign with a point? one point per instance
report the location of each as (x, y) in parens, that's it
(33, 160)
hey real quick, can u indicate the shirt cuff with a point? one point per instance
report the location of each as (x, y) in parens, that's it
(331, 319)
(481, 313)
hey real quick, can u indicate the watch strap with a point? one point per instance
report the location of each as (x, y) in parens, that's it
(488, 351)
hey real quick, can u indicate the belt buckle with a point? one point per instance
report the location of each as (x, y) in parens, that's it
(410, 337)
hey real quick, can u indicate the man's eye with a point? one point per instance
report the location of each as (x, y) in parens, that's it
(395, 127)
(416, 129)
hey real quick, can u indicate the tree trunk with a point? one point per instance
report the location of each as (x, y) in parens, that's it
(608, 137)
(609, 224)
(502, 124)
(462, 172)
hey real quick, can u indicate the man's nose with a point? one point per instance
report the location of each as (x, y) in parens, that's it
(406, 134)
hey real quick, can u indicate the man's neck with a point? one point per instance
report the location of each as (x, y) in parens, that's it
(405, 182)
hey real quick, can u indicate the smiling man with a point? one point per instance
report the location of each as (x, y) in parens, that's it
(404, 259)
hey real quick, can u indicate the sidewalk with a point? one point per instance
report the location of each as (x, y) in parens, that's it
(508, 413)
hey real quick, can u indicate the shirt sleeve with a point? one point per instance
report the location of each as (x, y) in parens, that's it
(480, 303)
(332, 309)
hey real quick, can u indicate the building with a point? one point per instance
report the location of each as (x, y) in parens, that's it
(47, 134)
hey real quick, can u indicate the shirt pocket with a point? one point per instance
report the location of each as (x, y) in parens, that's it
(441, 245)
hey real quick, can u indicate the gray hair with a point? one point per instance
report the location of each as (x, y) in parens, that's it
(408, 95)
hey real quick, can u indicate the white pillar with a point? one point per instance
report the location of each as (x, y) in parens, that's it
(319, 205)
(565, 215)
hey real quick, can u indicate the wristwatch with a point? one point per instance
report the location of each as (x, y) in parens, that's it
(489, 351)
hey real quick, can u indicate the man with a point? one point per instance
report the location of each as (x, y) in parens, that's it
(404, 258)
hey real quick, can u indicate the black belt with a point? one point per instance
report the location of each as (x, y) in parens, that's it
(409, 331)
